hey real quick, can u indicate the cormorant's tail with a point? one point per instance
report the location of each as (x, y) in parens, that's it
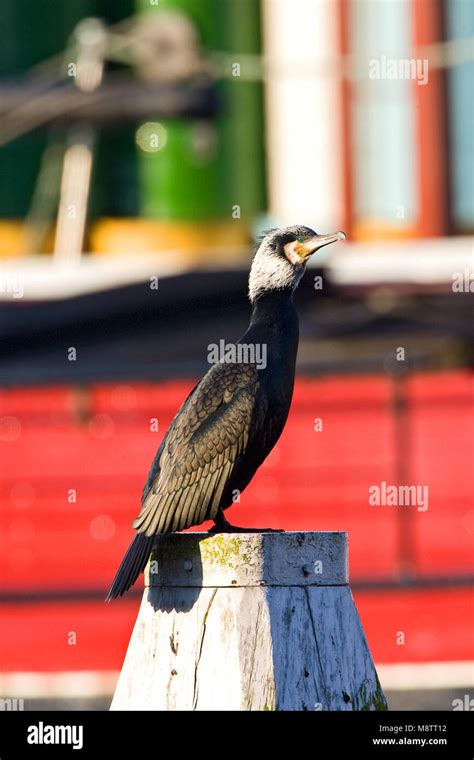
(132, 565)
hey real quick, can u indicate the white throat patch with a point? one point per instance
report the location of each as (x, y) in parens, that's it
(272, 272)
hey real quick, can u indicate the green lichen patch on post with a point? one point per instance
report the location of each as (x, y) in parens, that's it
(223, 550)
(368, 700)
(379, 699)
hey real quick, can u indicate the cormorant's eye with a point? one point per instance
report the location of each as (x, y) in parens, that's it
(300, 239)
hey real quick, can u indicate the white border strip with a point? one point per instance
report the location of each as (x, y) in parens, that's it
(80, 683)
(428, 261)
(407, 676)
(433, 261)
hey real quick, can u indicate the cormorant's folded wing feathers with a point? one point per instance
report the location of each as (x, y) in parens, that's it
(204, 443)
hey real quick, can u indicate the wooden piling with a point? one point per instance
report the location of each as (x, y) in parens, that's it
(248, 621)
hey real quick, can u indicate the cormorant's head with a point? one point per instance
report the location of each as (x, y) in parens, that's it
(281, 258)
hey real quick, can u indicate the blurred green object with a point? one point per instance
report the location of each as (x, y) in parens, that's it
(199, 170)
(31, 32)
(203, 170)
(35, 32)
(243, 126)
(114, 190)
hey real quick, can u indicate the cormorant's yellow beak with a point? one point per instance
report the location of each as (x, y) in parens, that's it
(298, 251)
(310, 245)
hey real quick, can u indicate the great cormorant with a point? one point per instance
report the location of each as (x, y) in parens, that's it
(232, 419)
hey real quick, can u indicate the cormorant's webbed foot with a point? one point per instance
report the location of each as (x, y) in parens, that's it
(222, 526)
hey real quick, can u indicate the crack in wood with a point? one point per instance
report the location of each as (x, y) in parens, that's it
(201, 642)
(252, 657)
(316, 644)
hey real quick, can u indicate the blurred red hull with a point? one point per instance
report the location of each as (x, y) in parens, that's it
(69, 490)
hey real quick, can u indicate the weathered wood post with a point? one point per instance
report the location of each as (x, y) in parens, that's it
(248, 621)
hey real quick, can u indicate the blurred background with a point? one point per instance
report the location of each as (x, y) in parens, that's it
(143, 146)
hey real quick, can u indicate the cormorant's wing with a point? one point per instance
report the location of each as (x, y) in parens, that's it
(155, 466)
(205, 440)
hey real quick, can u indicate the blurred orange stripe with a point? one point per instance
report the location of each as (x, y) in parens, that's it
(430, 109)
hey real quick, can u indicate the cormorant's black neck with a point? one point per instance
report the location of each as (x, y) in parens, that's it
(272, 305)
(274, 323)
